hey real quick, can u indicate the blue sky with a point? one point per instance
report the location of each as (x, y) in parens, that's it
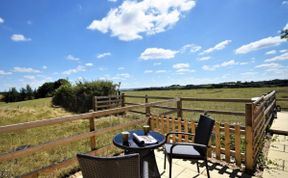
(142, 43)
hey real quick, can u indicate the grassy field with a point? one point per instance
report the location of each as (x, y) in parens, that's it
(18, 112)
(282, 92)
(38, 109)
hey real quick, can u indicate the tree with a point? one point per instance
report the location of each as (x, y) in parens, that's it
(29, 93)
(284, 34)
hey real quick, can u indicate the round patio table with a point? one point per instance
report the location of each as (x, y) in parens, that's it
(148, 165)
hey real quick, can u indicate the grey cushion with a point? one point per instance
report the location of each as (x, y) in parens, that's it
(183, 151)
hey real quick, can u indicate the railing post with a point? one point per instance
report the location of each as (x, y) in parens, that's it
(249, 152)
(123, 102)
(92, 128)
(95, 108)
(147, 109)
(179, 108)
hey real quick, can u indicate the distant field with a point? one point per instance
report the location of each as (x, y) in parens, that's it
(282, 92)
(13, 113)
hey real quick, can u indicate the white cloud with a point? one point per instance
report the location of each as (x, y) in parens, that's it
(271, 52)
(216, 66)
(269, 66)
(157, 64)
(160, 71)
(248, 74)
(25, 70)
(112, 0)
(282, 57)
(284, 2)
(44, 67)
(181, 66)
(260, 44)
(102, 55)
(205, 58)
(148, 71)
(1, 20)
(217, 47)
(286, 26)
(121, 68)
(19, 38)
(2, 72)
(76, 70)
(30, 77)
(157, 53)
(123, 76)
(192, 48)
(72, 58)
(132, 19)
(89, 64)
(283, 50)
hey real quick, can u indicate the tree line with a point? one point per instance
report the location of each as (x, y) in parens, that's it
(27, 93)
(237, 84)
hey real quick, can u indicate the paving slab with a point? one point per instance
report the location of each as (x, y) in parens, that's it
(277, 158)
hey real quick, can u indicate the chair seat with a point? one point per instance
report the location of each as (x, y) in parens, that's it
(184, 152)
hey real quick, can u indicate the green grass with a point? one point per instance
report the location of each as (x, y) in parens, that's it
(18, 112)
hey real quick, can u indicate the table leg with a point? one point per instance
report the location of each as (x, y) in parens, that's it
(148, 164)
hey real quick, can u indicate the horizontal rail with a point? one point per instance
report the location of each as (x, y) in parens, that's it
(62, 141)
(109, 101)
(240, 100)
(215, 112)
(45, 122)
(104, 97)
(149, 97)
(64, 163)
(278, 132)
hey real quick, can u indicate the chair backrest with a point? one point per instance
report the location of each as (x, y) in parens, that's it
(204, 130)
(127, 166)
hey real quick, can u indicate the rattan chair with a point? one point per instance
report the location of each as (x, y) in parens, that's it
(127, 166)
(191, 151)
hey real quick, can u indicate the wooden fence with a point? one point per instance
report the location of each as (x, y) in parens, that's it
(225, 142)
(108, 102)
(92, 134)
(258, 115)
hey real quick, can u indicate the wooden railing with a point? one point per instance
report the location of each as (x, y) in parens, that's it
(178, 109)
(258, 115)
(225, 143)
(92, 134)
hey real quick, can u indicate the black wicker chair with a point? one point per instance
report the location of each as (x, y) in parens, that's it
(127, 166)
(191, 151)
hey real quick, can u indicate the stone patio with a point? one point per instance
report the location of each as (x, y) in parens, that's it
(186, 169)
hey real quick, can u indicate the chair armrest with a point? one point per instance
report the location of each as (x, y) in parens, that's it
(174, 133)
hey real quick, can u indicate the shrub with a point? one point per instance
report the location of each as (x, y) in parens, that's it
(79, 98)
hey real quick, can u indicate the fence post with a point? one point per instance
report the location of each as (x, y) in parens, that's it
(95, 108)
(123, 102)
(249, 153)
(147, 109)
(179, 108)
(92, 128)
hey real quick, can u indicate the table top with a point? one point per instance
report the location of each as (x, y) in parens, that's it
(132, 145)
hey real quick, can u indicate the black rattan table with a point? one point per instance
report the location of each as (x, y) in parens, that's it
(149, 168)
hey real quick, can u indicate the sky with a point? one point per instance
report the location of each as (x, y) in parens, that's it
(142, 43)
